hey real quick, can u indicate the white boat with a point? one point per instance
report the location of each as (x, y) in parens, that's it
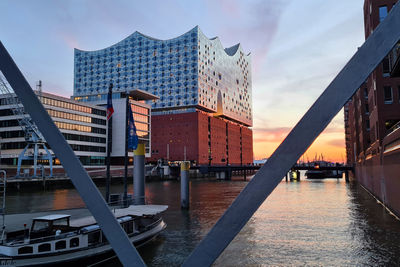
(71, 235)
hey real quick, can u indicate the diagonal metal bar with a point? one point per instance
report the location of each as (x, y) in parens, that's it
(299, 139)
(126, 252)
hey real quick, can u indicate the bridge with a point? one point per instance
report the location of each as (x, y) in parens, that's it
(308, 167)
(225, 172)
(313, 166)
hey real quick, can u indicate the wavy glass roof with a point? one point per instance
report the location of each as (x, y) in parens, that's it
(188, 72)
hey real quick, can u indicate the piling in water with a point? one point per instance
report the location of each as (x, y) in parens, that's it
(185, 165)
(138, 175)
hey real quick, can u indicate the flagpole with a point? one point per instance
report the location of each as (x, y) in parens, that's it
(109, 145)
(131, 142)
(127, 109)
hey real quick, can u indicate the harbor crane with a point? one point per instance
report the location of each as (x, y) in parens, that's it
(34, 139)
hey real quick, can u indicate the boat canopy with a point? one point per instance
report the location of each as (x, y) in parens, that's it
(134, 210)
(52, 217)
(15, 222)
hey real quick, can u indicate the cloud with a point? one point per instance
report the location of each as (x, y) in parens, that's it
(278, 134)
(272, 135)
(266, 16)
(69, 39)
(229, 7)
(336, 142)
(254, 23)
(333, 130)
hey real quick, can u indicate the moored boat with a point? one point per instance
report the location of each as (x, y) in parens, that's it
(72, 235)
(322, 174)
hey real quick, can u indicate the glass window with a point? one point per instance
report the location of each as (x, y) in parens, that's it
(25, 250)
(128, 227)
(61, 244)
(386, 67)
(44, 247)
(398, 92)
(388, 96)
(40, 225)
(74, 242)
(63, 221)
(382, 13)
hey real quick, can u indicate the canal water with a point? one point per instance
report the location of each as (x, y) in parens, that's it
(306, 223)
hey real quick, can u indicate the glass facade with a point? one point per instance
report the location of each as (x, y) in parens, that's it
(190, 71)
(225, 80)
(142, 118)
(98, 97)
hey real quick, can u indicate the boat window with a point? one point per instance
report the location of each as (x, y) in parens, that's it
(63, 221)
(40, 225)
(44, 247)
(61, 244)
(103, 237)
(74, 242)
(25, 250)
(94, 237)
(128, 227)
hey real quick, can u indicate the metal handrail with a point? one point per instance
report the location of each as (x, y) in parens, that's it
(393, 128)
(129, 201)
(71, 234)
(394, 55)
(44, 239)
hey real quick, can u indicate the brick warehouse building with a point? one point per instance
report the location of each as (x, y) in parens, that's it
(375, 108)
(201, 136)
(372, 120)
(204, 111)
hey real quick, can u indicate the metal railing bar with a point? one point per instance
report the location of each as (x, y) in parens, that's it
(350, 78)
(94, 201)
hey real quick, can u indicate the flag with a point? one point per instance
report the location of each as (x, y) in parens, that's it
(110, 109)
(132, 136)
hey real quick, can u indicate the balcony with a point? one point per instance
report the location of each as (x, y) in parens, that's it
(394, 59)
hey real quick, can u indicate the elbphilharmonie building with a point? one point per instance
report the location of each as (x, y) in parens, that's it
(204, 107)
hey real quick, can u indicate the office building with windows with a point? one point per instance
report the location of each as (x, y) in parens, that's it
(204, 111)
(83, 126)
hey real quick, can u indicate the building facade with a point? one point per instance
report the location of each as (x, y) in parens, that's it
(141, 114)
(83, 126)
(193, 77)
(372, 121)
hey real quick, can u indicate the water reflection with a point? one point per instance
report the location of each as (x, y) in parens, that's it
(312, 223)
(374, 230)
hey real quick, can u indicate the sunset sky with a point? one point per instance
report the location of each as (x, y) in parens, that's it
(297, 48)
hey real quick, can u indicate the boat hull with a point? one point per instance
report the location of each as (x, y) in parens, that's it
(323, 174)
(81, 254)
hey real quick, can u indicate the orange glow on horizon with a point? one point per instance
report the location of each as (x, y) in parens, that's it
(330, 145)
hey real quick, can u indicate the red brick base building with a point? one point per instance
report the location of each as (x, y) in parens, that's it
(201, 138)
